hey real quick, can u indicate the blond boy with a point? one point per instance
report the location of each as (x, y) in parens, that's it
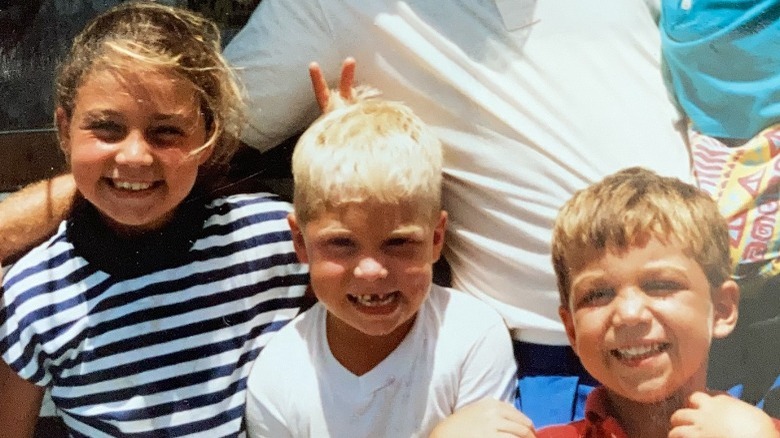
(643, 272)
(384, 352)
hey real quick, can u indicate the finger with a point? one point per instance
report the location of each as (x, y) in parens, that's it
(684, 432)
(347, 78)
(517, 417)
(683, 417)
(516, 429)
(320, 86)
(697, 399)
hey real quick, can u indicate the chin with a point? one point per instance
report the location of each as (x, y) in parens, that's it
(648, 393)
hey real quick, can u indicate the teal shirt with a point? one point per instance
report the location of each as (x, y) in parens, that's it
(723, 63)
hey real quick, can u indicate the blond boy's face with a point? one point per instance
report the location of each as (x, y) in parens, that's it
(642, 320)
(370, 264)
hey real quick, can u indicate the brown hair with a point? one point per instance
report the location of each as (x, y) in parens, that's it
(630, 206)
(144, 34)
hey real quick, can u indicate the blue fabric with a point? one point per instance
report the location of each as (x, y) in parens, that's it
(552, 383)
(736, 391)
(771, 401)
(723, 60)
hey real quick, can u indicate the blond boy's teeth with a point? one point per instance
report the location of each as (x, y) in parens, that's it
(639, 351)
(134, 186)
(374, 300)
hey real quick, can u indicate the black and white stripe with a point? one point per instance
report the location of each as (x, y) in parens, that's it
(163, 354)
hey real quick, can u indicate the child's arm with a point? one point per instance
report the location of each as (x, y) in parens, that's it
(32, 214)
(20, 404)
(485, 418)
(721, 415)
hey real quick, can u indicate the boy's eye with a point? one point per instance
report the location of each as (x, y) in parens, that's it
(340, 242)
(596, 297)
(399, 241)
(660, 287)
(406, 247)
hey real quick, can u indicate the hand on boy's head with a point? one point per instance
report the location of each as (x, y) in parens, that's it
(485, 418)
(720, 415)
(321, 91)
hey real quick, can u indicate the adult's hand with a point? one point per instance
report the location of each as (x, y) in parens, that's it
(321, 91)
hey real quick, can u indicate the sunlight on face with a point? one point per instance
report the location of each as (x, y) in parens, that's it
(641, 320)
(130, 141)
(371, 264)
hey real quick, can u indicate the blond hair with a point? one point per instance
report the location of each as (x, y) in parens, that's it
(145, 35)
(633, 205)
(371, 149)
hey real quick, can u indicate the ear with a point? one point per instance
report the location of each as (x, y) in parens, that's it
(63, 129)
(568, 323)
(297, 236)
(725, 303)
(205, 154)
(438, 235)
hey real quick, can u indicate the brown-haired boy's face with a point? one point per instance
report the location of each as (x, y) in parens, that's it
(642, 319)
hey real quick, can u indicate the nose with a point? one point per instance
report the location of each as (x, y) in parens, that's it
(631, 308)
(369, 268)
(134, 150)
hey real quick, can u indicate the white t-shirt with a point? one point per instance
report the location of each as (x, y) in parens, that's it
(527, 116)
(457, 352)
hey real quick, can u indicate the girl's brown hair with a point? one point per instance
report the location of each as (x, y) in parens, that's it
(146, 35)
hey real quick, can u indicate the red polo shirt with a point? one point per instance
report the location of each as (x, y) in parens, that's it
(597, 422)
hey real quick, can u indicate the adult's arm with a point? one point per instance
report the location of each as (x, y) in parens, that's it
(20, 404)
(31, 215)
(271, 55)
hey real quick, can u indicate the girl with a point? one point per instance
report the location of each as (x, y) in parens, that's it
(145, 311)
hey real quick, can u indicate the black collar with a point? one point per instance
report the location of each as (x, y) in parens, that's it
(126, 257)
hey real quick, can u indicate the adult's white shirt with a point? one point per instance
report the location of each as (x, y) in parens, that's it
(533, 100)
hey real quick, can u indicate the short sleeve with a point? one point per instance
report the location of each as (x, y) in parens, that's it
(490, 369)
(27, 319)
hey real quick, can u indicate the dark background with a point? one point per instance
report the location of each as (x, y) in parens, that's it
(34, 37)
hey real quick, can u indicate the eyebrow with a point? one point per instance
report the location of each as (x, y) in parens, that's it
(406, 230)
(170, 116)
(588, 279)
(101, 114)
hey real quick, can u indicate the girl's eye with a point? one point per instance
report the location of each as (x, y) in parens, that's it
(166, 135)
(107, 130)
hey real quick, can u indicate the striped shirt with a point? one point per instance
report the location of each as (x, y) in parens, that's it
(166, 349)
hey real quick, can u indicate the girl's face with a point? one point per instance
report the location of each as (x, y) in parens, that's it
(130, 141)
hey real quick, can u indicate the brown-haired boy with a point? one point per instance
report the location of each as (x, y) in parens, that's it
(643, 271)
